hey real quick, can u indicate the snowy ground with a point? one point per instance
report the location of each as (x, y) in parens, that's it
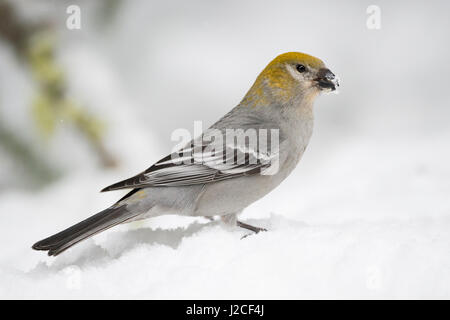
(330, 237)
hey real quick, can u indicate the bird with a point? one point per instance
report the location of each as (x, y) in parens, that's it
(212, 176)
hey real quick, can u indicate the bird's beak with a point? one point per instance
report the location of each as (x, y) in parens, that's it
(326, 80)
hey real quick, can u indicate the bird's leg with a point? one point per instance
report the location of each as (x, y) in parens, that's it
(249, 227)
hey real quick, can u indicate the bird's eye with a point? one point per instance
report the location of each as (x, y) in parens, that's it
(300, 68)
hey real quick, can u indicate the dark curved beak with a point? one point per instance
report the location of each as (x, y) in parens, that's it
(327, 80)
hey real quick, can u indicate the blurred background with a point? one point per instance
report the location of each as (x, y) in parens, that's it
(83, 108)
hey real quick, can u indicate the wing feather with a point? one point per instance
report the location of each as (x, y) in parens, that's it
(195, 165)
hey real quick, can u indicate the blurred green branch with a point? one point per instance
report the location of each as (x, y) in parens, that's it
(35, 45)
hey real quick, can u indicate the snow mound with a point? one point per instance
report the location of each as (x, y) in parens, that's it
(204, 260)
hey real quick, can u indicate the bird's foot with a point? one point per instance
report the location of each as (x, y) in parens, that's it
(249, 227)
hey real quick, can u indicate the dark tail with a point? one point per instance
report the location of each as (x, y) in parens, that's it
(97, 223)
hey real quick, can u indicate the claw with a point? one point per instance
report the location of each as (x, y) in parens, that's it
(249, 227)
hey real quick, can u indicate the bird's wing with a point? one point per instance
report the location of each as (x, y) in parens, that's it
(205, 162)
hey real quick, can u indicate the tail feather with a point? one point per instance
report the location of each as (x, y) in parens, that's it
(97, 223)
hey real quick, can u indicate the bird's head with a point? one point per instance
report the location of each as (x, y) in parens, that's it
(291, 77)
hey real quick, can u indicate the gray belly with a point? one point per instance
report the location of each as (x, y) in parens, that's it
(234, 195)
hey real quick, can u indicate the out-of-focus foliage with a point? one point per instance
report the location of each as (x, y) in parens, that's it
(47, 103)
(51, 103)
(35, 46)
